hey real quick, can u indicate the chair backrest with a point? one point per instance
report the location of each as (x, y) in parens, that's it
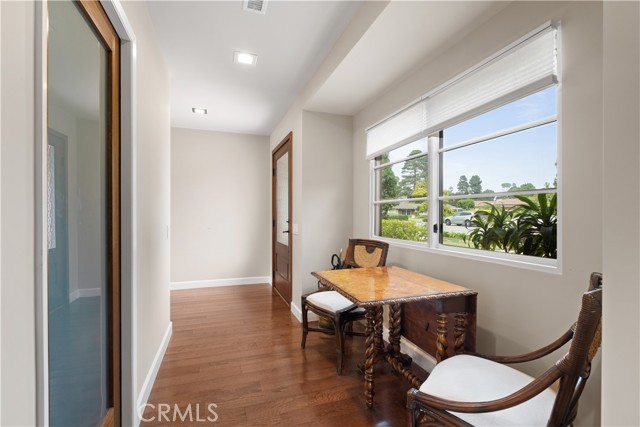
(362, 253)
(576, 364)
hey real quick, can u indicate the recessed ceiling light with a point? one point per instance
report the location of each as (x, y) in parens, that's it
(199, 110)
(245, 58)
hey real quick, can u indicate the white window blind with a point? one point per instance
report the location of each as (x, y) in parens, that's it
(409, 124)
(527, 66)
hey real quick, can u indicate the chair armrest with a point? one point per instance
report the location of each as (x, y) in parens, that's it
(527, 357)
(532, 389)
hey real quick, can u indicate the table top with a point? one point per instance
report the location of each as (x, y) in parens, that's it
(383, 285)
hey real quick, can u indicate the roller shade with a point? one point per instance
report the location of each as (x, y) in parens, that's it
(529, 65)
(409, 124)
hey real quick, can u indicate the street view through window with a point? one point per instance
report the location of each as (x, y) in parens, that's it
(496, 177)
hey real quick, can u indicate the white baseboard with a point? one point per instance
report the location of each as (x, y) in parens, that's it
(195, 284)
(84, 293)
(419, 356)
(147, 386)
(297, 312)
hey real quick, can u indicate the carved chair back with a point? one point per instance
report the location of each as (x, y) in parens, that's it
(362, 253)
(576, 364)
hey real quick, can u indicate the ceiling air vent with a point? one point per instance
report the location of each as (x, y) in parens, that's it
(257, 6)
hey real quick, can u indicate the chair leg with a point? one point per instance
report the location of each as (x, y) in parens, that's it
(350, 327)
(339, 328)
(305, 323)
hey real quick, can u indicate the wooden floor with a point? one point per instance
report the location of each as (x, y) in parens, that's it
(239, 348)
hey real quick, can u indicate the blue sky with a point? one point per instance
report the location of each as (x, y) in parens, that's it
(526, 156)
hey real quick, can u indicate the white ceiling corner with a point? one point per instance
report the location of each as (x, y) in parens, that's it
(198, 39)
(399, 40)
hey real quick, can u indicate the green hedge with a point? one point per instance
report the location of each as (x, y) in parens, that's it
(398, 217)
(405, 230)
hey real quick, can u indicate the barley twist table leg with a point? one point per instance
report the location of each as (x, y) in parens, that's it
(395, 325)
(459, 332)
(378, 332)
(370, 355)
(441, 340)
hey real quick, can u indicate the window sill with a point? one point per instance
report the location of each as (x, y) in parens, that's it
(551, 266)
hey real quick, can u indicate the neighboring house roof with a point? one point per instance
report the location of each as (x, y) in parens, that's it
(407, 206)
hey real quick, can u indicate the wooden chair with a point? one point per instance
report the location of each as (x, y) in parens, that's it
(468, 390)
(335, 307)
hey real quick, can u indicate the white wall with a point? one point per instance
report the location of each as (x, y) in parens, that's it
(220, 206)
(153, 190)
(328, 193)
(519, 309)
(621, 244)
(17, 200)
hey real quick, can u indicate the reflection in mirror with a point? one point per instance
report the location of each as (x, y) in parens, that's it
(77, 220)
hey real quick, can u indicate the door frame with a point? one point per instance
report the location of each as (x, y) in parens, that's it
(287, 140)
(128, 208)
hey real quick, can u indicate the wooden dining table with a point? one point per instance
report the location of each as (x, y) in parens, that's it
(373, 288)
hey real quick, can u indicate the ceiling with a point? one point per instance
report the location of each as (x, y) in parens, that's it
(198, 39)
(402, 37)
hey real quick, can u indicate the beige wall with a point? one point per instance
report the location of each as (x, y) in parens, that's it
(153, 191)
(520, 309)
(621, 243)
(220, 206)
(17, 198)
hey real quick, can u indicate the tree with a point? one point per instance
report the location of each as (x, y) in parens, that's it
(413, 172)
(463, 185)
(525, 186)
(389, 186)
(421, 190)
(506, 186)
(466, 204)
(475, 185)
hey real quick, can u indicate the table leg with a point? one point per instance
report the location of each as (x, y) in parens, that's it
(441, 338)
(395, 326)
(459, 332)
(370, 354)
(378, 333)
(401, 363)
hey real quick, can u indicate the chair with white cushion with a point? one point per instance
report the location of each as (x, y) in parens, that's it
(335, 307)
(468, 390)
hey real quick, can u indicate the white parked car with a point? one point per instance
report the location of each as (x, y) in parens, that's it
(461, 218)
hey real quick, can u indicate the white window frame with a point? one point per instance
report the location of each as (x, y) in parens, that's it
(434, 151)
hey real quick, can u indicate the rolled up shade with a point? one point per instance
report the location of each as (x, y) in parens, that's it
(525, 67)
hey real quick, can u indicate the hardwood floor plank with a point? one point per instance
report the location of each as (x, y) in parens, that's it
(238, 347)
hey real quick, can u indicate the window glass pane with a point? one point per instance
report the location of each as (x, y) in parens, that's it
(524, 160)
(406, 179)
(404, 221)
(419, 146)
(528, 109)
(525, 225)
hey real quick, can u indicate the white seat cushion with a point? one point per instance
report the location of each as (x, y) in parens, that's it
(472, 379)
(330, 301)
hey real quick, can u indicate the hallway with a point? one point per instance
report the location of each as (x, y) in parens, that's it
(238, 347)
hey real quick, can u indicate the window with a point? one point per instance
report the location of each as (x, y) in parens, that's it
(472, 166)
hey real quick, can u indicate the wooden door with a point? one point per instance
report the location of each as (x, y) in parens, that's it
(281, 214)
